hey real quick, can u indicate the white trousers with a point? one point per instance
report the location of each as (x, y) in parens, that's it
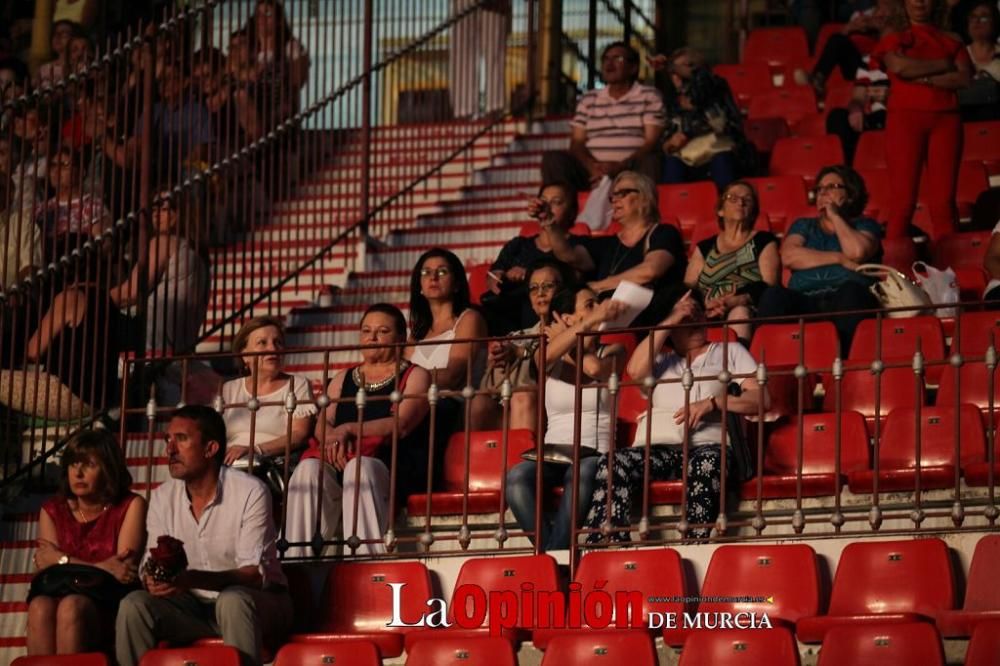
(478, 40)
(303, 491)
(371, 495)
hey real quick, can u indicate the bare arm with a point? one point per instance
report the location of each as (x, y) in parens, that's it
(856, 245)
(601, 367)
(132, 536)
(769, 263)
(577, 257)
(991, 262)
(248, 576)
(160, 250)
(472, 325)
(562, 338)
(746, 403)
(301, 429)
(695, 263)
(654, 266)
(640, 365)
(66, 307)
(796, 256)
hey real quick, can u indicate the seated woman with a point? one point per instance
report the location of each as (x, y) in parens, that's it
(643, 251)
(71, 216)
(692, 351)
(823, 253)
(440, 312)
(94, 520)
(574, 310)
(700, 107)
(340, 445)
(507, 308)
(980, 32)
(267, 429)
(511, 359)
(733, 268)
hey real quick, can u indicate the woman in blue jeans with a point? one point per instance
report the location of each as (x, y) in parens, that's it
(574, 310)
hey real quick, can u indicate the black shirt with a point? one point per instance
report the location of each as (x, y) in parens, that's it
(611, 256)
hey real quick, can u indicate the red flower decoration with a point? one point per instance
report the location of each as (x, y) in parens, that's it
(166, 559)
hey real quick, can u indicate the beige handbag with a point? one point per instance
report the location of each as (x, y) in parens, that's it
(701, 149)
(894, 290)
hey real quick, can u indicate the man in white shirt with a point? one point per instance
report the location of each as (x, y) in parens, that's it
(233, 578)
(615, 128)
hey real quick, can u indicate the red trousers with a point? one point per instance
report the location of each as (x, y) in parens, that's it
(913, 139)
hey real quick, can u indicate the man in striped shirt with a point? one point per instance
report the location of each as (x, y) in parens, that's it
(615, 128)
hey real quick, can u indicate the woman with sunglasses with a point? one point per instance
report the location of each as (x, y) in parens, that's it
(177, 281)
(642, 251)
(926, 66)
(733, 268)
(823, 253)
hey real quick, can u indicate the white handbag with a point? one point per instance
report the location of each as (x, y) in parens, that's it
(895, 290)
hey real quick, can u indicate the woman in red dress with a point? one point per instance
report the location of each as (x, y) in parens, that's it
(925, 66)
(94, 520)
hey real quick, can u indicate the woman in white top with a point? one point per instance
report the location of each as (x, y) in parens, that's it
(982, 28)
(262, 339)
(703, 419)
(574, 310)
(440, 312)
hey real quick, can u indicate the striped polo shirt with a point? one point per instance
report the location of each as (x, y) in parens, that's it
(615, 127)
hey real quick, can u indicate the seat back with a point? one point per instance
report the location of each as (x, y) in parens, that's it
(900, 253)
(792, 104)
(463, 650)
(214, 655)
(634, 648)
(507, 574)
(648, 574)
(746, 80)
(805, 156)
(879, 192)
(778, 345)
(914, 643)
(784, 198)
(973, 386)
(870, 153)
(898, 338)
(763, 132)
(906, 576)
(981, 591)
(967, 248)
(937, 437)
(82, 659)
(984, 646)
(476, 275)
(776, 46)
(785, 575)
(897, 388)
(356, 653)
(771, 647)
(357, 598)
(982, 142)
(973, 180)
(976, 331)
(485, 458)
(690, 203)
(819, 439)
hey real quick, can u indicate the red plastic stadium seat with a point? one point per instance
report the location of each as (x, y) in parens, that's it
(787, 572)
(870, 153)
(967, 248)
(897, 450)
(810, 125)
(779, 345)
(839, 93)
(357, 601)
(486, 467)
(634, 648)
(215, 655)
(984, 646)
(476, 274)
(879, 192)
(973, 180)
(792, 104)
(82, 659)
(805, 156)
(743, 647)
(266, 652)
(462, 650)
(776, 46)
(899, 341)
(783, 198)
(900, 253)
(819, 438)
(356, 653)
(690, 203)
(910, 643)
(974, 378)
(976, 331)
(982, 594)
(529, 229)
(897, 388)
(982, 144)
(651, 572)
(496, 575)
(763, 132)
(746, 80)
(885, 582)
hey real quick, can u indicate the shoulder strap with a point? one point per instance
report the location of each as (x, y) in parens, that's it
(645, 240)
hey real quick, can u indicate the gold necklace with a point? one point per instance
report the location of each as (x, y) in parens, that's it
(79, 512)
(358, 378)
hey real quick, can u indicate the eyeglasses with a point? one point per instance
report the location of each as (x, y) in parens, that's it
(622, 193)
(831, 187)
(542, 287)
(613, 58)
(440, 272)
(735, 198)
(984, 18)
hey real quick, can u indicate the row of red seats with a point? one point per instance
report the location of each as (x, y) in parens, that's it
(881, 588)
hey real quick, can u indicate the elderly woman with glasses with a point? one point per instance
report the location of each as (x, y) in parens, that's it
(642, 251)
(733, 268)
(823, 253)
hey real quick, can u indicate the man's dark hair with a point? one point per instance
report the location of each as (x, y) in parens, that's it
(17, 66)
(210, 424)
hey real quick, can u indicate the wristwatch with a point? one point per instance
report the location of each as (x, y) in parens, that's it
(64, 559)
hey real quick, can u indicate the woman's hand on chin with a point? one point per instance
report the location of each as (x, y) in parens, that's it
(234, 453)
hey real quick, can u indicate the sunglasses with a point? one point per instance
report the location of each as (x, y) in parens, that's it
(735, 198)
(622, 193)
(542, 287)
(441, 272)
(832, 187)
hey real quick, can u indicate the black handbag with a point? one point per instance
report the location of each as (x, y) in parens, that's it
(743, 464)
(65, 579)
